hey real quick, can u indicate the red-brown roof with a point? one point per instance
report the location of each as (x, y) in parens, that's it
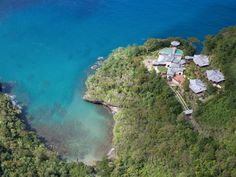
(179, 79)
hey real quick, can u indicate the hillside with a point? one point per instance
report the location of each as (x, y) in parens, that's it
(220, 112)
(151, 135)
(21, 152)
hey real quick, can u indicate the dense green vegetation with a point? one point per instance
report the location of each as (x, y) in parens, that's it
(152, 137)
(221, 111)
(21, 152)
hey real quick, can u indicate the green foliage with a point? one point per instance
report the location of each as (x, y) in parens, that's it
(104, 168)
(218, 115)
(186, 85)
(211, 89)
(151, 137)
(21, 152)
(221, 109)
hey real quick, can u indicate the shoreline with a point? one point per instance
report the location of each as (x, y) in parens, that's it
(111, 154)
(112, 108)
(22, 111)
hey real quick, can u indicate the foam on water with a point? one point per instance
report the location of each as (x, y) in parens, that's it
(47, 47)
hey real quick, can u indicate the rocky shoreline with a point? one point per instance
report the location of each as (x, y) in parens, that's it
(113, 109)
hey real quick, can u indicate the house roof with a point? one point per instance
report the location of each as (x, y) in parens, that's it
(175, 43)
(176, 67)
(173, 69)
(188, 112)
(188, 58)
(169, 55)
(176, 60)
(170, 72)
(197, 86)
(179, 79)
(172, 58)
(171, 51)
(201, 60)
(163, 59)
(182, 62)
(215, 76)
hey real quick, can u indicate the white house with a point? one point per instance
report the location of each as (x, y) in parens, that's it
(201, 60)
(197, 86)
(171, 58)
(215, 76)
(175, 43)
(168, 56)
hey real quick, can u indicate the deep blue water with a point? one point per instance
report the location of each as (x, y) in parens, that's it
(48, 46)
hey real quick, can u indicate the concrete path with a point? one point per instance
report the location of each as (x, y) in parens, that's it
(180, 99)
(194, 123)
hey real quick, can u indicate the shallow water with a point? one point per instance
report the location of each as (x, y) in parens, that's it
(48, 46)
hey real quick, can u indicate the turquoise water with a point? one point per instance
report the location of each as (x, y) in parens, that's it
(48, 46)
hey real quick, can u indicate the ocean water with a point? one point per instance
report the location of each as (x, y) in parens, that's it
(48, 46)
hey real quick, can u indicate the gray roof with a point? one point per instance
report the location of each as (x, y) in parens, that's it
(174, 68)
(188, 112)
(182, 62)
(215, 76)
(188, 58)
(172, 58)
(171, 51)
(170, 72)
(176, 60)
(197, 86)
(169, 55)
(163, 59)
(201, 60)
(175, 43)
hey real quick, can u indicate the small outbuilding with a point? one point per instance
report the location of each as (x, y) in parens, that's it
(201, 60)
(175, 43)
(197, 86)
(215, 76)
(188, 57)
(188, 112)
